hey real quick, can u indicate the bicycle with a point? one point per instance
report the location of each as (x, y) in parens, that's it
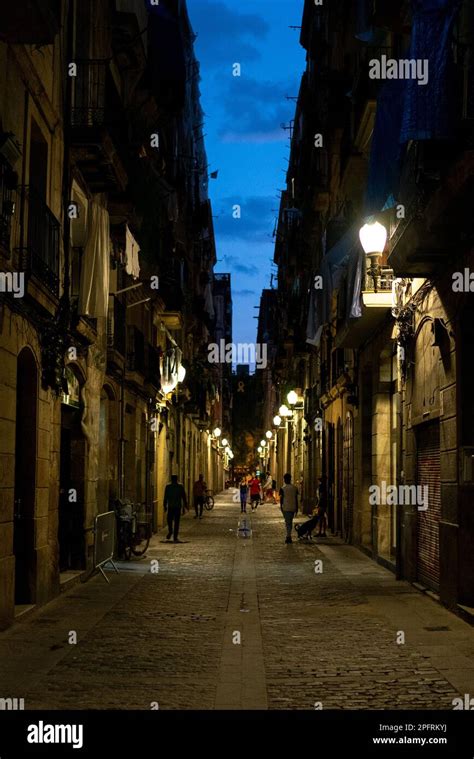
(134, 523)
(209, 500)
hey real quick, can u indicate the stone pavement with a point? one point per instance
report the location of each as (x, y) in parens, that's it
(229, 623)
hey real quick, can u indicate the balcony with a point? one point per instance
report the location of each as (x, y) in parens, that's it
(438, 213)
(8, 205)
(30, 22)
(376, 298)
(172, 295)
(40, 237)
(97, 125)
(436, 185)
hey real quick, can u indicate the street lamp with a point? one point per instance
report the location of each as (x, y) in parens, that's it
(259, 449)
(269, 434)
(217, 432)
(373, 238)
(181, 373)
(225, 442)
(263, 443)
(284, 410)
(292, 398)
(277, 420)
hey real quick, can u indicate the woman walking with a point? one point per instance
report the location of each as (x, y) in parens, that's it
(244, 489)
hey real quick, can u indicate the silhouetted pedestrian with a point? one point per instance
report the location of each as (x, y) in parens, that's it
(174, 499)
(244, 489)
(199, 492)
(288, 505)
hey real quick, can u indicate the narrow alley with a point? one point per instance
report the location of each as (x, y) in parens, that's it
(308, 639)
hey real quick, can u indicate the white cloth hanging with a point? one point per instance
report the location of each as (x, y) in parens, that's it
(132, 250)
(94, 288)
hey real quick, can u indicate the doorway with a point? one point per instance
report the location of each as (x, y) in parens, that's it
(25, 478)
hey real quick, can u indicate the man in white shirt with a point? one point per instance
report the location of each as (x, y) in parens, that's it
(289, 505)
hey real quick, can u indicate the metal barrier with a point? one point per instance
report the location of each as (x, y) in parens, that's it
(104, 541)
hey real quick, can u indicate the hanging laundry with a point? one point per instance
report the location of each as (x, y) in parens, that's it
(94, 285)
(132, 250)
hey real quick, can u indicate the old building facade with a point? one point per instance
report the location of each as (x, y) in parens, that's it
(374, 246)
(107, 286)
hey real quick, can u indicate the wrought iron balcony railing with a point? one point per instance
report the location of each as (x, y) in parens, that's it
(7, 203)
(379, 280)
(89, 93)
(40, 255)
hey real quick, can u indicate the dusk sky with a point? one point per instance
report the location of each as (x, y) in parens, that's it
(244, 139)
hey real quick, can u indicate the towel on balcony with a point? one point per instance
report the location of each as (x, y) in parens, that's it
(94, 288)
(386, 153)
(428, 110)
(132, 249)
(342, 270)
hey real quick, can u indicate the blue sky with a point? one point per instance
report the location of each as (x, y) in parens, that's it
(244, 139)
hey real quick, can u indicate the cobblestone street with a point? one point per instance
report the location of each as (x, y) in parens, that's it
(305, 637)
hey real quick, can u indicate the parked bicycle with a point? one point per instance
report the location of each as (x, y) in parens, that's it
(209, 500)
(134, 525)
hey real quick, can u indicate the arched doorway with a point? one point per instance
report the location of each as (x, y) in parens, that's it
(72, 464)
(25, 478)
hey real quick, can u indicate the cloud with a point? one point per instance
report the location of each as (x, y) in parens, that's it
(254, 111)
(234, 263)
(256, 220)
(245, 293)
(257, 138)
(225, 35)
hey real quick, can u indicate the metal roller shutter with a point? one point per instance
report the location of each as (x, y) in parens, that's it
(428, 473)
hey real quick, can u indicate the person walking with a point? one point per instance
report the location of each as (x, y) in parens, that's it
(268, 489)
(289, 505)
(244, 489)
(174, 499)
(199, 492)
(255, 487)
